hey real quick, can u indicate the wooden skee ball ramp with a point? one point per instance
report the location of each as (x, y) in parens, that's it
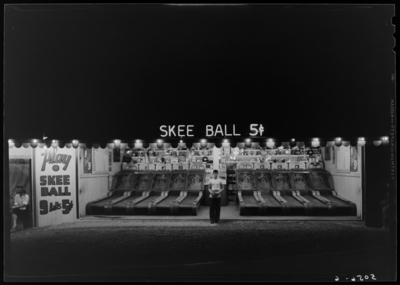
(140, 185)
(174, 189)
(250, 202)
(145, 183)
(189, 203)
(274, 205)
(322, 183)
(283, 190)
(122, 188)
(300, 182)
(183, 196)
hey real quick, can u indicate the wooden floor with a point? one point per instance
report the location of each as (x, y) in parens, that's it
(229, 213)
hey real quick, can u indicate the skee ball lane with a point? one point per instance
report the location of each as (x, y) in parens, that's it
(152, 192)
(290, 192)
(260, 192)
(122, 188)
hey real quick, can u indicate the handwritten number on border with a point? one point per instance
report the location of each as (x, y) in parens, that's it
(366, 277)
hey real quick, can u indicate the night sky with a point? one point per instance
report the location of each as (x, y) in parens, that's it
(97, 72)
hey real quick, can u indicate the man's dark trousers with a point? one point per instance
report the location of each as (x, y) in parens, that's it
(215, 209)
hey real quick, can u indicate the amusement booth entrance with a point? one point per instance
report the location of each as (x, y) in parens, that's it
(262, 176)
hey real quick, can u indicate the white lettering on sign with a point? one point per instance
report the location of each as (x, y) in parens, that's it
(255, 131)
(171, 130)
(180, 130)
(189, 130)
(252, 128)
(261, 129)
(209, 128)
(162, 128)
(234, 132)
(226, 132)
(218, 129)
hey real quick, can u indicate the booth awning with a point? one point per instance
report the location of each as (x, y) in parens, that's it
(202, 143)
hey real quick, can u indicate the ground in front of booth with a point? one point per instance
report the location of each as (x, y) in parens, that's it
(187, 250)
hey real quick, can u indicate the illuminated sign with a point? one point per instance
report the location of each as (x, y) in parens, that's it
(181, 130)
(55, 184)
(211, 131)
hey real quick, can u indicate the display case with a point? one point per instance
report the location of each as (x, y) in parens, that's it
(173, 159)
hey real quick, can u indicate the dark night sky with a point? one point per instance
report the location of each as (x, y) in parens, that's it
(104, 72)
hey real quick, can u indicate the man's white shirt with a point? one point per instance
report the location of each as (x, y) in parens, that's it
(215, 184)
(21, 200)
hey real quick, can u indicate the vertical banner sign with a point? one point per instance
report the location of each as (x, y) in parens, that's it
(353, 159)
(87, 160)
(343, 159)
(55, 184)
(100, 163)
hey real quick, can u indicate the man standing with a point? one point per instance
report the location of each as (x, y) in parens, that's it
(215, 188)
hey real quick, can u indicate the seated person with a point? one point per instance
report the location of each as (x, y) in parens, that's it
(19, 210)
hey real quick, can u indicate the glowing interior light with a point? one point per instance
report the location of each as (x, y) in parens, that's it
(203, 141)
(247, 140)
(339, 139)
(293, 140)
(75, 141)
(385, 138)
(159, 141)
(269, 140)
(225, 141)
(10, 141)
(34, 141)
(361, 139)
(181, 141)
(137, 141)
(53, 141)
(316, 139)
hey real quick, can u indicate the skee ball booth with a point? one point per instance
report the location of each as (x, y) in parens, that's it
(169, 174)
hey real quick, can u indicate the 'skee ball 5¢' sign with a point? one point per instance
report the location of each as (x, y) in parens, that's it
(210, 131)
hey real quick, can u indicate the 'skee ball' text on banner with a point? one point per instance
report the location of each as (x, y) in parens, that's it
(211, 130)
